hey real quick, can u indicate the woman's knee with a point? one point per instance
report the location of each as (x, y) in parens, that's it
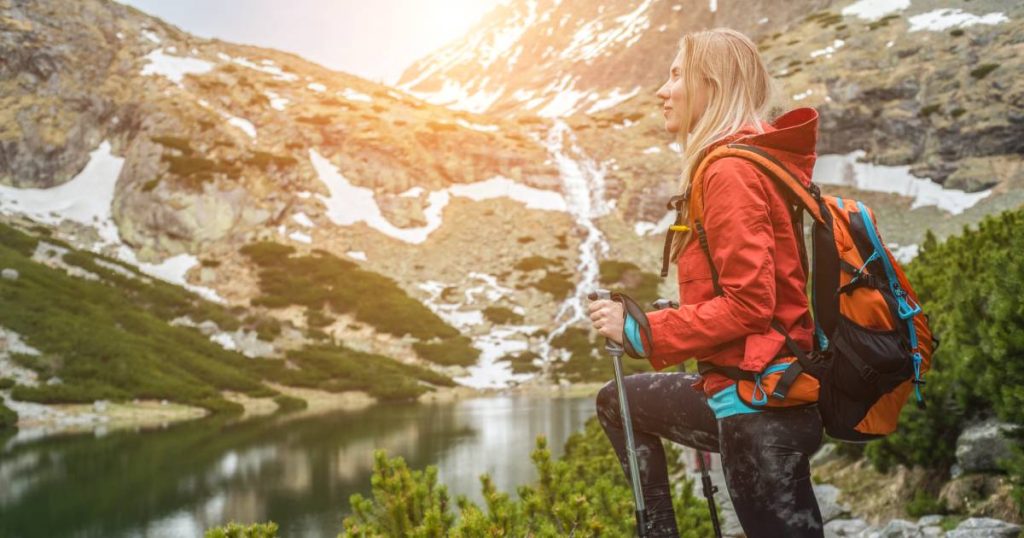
(608, 403)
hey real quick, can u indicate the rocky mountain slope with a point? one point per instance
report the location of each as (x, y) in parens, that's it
(924, 87)
(512, 172)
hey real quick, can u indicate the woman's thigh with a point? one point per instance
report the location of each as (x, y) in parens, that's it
(765, 457)
(666, 405)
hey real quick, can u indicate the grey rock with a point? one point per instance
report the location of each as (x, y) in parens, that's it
(845, 527)
(900, 528)
(54, 381)
(932, 531)
(9, 273)
(984, 527)
(99, 406)
(828, 502)
(929, 520)
(825, 454)
(981, 446)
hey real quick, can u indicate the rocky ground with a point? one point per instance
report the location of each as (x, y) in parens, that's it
(858, 501)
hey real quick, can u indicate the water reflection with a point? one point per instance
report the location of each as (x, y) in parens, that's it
(299, 472)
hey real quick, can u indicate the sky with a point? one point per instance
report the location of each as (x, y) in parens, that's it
(375, 39)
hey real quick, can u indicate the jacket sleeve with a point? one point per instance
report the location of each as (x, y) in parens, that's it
(742, 244)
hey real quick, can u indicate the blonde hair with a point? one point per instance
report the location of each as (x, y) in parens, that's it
(740, 92)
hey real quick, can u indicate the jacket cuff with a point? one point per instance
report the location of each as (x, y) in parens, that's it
(660, 355)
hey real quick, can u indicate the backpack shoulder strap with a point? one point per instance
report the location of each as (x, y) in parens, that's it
(806, 197)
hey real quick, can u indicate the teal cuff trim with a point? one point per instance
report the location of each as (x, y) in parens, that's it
(632, 330)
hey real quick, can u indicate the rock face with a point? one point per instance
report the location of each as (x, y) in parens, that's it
(981, 446)
(215, 137)
(551, 57)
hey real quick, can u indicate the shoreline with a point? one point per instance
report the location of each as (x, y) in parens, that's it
(37, 420)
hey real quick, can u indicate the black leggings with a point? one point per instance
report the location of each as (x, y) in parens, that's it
(764, 455)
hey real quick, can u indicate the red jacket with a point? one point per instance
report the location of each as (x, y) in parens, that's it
(754, 248)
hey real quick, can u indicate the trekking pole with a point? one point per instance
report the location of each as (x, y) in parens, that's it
(709, 491)
(705, 477)
(616, 351)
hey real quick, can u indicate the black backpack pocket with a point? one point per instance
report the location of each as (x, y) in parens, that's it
(867, 363)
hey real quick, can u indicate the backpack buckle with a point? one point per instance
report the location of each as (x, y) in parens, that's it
(815, 191)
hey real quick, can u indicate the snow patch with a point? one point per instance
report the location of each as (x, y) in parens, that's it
(652, 150)
(829, 50)
(174, 269)
(244, 125)
(943, 19)
(276, 101)
(85, 199)
(356, 254)
(174, 67)
(300, 237)
(150, 35)
(643, 228)
(613, 98)
(316, 86)
(477, 126)
(875, 9)
(353, 95)
(848, 170)
(348, 204)
(303, 219)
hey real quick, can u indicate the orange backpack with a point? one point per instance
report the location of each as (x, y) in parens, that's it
(872, 340)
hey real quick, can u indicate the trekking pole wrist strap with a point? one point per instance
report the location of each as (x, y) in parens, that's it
(636, 330)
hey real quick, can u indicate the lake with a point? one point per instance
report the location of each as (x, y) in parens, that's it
(179, 480)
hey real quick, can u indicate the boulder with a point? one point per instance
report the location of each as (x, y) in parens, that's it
(900, 528)
(846, 527)
(828, 502)
(984, 527)
(981, 446)
(9, 274)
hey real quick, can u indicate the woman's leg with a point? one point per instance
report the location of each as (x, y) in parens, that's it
(660, 405)
(765, 457)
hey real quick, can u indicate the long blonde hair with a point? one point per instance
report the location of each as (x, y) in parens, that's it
(740, 92)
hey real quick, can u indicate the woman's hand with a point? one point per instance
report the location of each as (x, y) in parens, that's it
(607, 317)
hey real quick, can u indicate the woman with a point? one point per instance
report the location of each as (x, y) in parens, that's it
(717, 90)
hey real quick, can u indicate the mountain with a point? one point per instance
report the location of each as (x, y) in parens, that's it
(918, 87)
(509, 174)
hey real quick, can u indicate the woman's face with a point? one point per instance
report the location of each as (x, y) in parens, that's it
(673, 96)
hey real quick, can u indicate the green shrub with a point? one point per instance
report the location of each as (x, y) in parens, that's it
(924, 504)
(971, 287)
(263, 159)
(288, 404)
(956, 32)
(627, 278)
(522, 363)
(8, 417)
(234, 530)
(584, 494)
(929, 110)
(535, 263)
(6, 383)
(983, 70)
(501, 315)
(957, 112)
(322, 278)
(449, 351)
(589, 361)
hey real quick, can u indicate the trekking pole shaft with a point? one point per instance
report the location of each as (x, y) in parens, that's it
(709, 493)
(615, 350)
(627, 425)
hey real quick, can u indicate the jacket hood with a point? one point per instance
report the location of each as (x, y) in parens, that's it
(791, 138)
